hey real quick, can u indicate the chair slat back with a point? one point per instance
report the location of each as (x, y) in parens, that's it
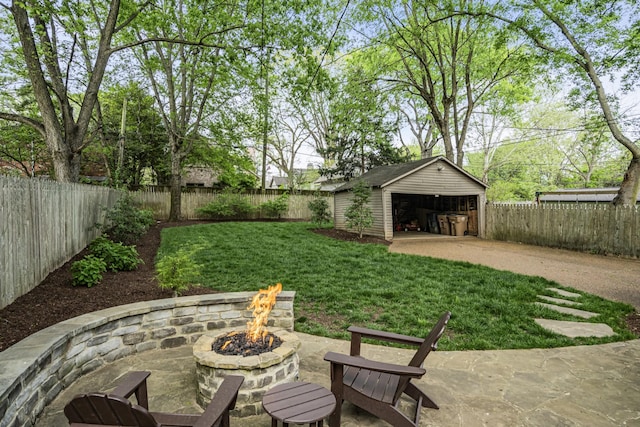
(105, 409)
(430, 343)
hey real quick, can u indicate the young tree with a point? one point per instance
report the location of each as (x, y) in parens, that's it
(358, 214)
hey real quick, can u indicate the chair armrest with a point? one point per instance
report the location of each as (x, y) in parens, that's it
(385, 336)
(358, 332)
(135, 382)
(223, 401)
(359, 362)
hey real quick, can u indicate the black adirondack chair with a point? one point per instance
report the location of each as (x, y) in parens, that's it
(377, 387)
(115, 409)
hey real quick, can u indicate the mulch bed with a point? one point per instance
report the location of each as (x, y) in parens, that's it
(55, 299)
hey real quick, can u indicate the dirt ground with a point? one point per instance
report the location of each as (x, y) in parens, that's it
(613, 278)
(55, 299)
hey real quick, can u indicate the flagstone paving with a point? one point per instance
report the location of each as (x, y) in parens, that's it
(569, 328)
(596, 386)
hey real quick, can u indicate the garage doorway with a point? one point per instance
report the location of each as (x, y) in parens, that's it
(419, 212)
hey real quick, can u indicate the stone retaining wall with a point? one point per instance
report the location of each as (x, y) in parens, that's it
(35, 370)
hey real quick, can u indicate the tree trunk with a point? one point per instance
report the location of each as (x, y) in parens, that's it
(175, 213)
(628, 193)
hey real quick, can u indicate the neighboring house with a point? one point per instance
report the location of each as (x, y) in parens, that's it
(324, 183)
(303, 179)
(579, 195)
(198, 176)
(412, 195)
(278, 182)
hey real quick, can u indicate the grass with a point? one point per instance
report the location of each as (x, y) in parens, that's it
(341, 283)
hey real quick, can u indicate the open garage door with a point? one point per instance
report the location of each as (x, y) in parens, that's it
(425, 213)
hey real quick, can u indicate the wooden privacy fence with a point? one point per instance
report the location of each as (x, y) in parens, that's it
(43, 224)
(596, 228)
(160, 202)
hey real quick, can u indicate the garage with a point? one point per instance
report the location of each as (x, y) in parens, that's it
(431, 195)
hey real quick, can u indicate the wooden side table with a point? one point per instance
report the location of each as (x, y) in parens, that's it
(298, 403)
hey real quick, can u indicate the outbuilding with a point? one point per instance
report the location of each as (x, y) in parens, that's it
(431, 195)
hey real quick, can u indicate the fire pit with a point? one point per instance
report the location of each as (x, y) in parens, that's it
(264, 359)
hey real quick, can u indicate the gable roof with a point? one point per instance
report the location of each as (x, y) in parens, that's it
(381, 176)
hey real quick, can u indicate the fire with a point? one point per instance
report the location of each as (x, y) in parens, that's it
(262, 304)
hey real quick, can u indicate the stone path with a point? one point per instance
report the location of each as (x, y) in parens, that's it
(569, 328)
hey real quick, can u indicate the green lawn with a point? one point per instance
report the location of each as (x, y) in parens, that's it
(340, 283)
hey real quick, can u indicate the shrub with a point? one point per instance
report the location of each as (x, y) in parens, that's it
(358, 214)
(116, 256)
(88, 271)
(320, 213)
(125, 222)
(276, 207)
(228, 204)
(176, 271)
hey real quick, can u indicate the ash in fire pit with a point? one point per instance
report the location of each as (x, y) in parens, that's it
(236, 343)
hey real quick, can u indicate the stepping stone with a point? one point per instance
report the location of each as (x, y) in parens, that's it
(576, 329)
(566, 310)
(559, 300)
(565, 293)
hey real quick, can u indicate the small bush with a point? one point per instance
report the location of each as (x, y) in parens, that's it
(228, 204)
(117, 256)
(125, 222)
(320, 213)
(176, 271)
(88, 271)
(276, 207)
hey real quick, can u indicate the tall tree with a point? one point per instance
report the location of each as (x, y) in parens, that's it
(50, 35)
(361, 132)
(592, 42)
(452, 62)
(186, 78)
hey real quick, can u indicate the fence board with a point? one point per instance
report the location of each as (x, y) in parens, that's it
(597, 228)
(43, 224)
(160, 203)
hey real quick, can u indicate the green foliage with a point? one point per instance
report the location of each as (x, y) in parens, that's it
(117, 256)
(88, 271)
(125, 222)
(276, 207)
(320, 213)
(176, 271)
(145, 138)
(358, 214)
(228, 204)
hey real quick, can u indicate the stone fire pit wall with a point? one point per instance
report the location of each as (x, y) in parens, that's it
(36, 369)
(261, 372)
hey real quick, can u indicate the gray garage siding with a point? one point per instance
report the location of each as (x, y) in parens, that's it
(429, 180)
(344, 199)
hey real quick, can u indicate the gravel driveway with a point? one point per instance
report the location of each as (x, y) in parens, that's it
(612, 278)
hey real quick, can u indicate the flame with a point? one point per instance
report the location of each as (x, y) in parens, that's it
(225, 345)
(262, 304)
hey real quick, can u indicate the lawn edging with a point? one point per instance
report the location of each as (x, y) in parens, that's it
(35, 370)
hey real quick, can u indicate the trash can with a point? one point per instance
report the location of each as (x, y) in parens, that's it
(458, 224)
(432, 218)
(443, 222)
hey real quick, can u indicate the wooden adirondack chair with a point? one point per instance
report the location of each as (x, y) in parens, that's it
(115, 409)
(377, 387)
